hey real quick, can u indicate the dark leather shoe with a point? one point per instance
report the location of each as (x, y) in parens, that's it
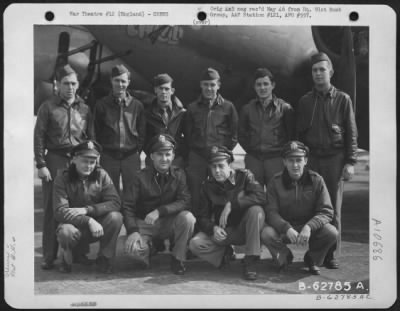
(177, 266)
(312, 267)
(104, 265)
(65, 268)
(229, 255)
(289, 259)
(46, 265)
(83, 260)
(331, 263)
(249, 269)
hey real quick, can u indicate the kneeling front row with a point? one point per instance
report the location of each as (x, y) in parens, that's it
(233, 210)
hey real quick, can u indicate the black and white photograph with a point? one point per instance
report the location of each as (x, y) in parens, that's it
(228, 154)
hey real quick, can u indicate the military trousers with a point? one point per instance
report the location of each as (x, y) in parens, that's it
(70, 236)
(320, 242)
(331, 169)
(247, 233)
(54, 163)
(126, 167)
(263, 170)
(196, 172)
(179, 227)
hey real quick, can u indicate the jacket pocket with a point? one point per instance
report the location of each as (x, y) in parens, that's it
(337, 133)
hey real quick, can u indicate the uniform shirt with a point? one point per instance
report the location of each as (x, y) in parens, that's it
(97, 193)
(206, 127)
(60, 126)
(146, 195)
(120, 126)
(215, 195)
(155, 124)
(263, 131)
(295, 204)
(326, 124)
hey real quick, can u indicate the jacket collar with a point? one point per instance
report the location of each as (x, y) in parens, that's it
(155, 173)
(75, 177)
(331, 92)
(126, 101)
(77, 102)
(288, 182)
(218, 100)
(176, 106)
(274, 101)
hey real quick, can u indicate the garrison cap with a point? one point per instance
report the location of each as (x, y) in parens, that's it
(162, 142)
(64, 71)
(88, 148)
(319, 57)
(217, 153)
(118, 70)
(294, 148)
(161, 79)
(210, 74)
(262, 72)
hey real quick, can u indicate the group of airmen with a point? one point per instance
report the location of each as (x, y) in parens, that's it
(290, 191)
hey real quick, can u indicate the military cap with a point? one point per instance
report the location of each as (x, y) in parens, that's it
(319, 57)
(64, 71)
(294, 148)
(210, 74)
(161, 79)
(217, 153)
(162, 142)
(88, 148)
(263, 72)
(118, 70)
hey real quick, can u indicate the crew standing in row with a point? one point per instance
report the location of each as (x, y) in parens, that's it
(326, 124)
(266, 123)
(120, 129)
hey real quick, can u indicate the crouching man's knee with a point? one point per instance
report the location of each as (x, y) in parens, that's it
(68, 235)
(268, 235)
(185, 219)
(256, 214)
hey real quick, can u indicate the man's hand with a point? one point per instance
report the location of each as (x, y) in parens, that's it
(348, 172)
(292, 235)
(95, 228)
(219, 234)
(223, 219)
(134, 241)
(44, 174)
(304, 236)
(152, 217)
(76, 211)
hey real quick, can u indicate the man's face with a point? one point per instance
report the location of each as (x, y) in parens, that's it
(322, 73)
(164, 93)
(68, 86)
(209, 88)
(263, 87)
(295, 166)
(85, 165)
(220, 170)
(162, 159)
(120, 84)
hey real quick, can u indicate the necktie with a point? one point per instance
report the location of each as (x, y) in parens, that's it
(165, 116)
